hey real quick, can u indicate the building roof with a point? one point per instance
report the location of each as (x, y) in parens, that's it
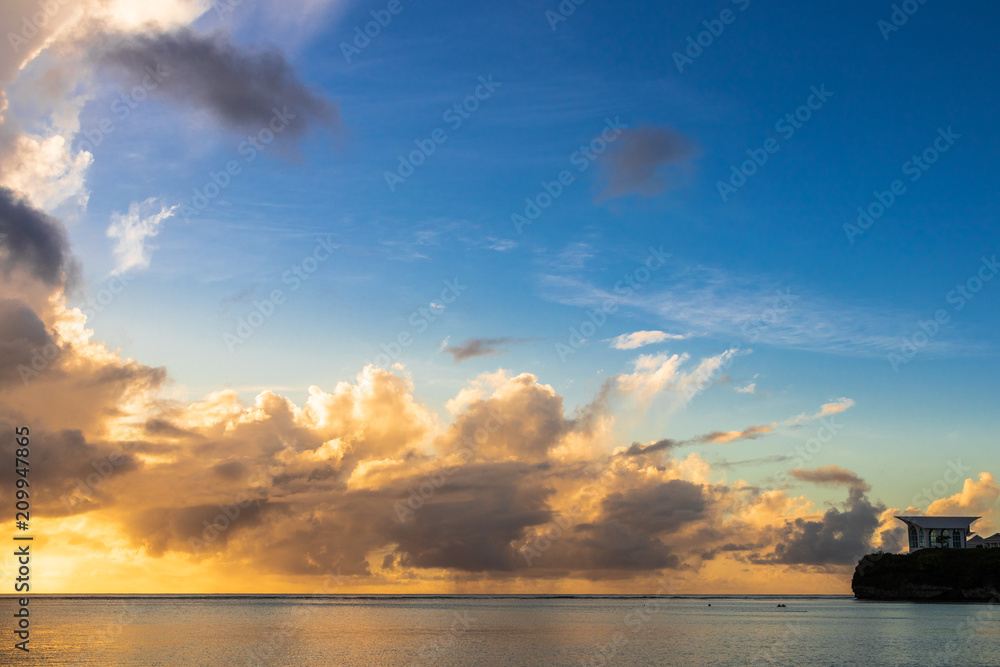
(995, 537)
(975, 540)
(939, 522)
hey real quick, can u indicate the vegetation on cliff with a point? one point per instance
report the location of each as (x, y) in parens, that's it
(943, 575)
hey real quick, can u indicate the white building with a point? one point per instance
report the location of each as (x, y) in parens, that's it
(940, 532)
(991, 542)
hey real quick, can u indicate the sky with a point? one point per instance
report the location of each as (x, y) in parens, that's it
(542, 297)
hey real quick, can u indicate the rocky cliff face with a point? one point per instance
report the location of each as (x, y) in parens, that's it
(930, 575)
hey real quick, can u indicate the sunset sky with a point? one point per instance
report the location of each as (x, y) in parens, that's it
(519, 297)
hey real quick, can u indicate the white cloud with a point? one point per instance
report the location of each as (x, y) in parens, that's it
(132, 229)
(642, 338)
(653, 374)
(749, 389)
(831, 408)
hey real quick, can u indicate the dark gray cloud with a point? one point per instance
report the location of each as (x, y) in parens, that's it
(479, 347)
(23, 342)
(660, 509)
(831, 476)
(164, 428)
(190, 528)
(628, 534)
(841, 537)
(715, 437)
(471, 521)
(68, 474)
(612, 547)
(638, 449)
(646, 160)
(32, 240)
(243, 90)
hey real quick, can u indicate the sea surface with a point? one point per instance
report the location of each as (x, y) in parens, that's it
(499, 630)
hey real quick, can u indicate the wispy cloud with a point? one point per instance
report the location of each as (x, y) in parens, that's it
(132, 229)
(831, 475)
(478, 347)
(831, 408)
(639, 339)
(754, 310)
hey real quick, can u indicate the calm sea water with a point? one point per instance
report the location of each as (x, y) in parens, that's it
(220, 632)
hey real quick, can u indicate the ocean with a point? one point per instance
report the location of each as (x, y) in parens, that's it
(221, 631)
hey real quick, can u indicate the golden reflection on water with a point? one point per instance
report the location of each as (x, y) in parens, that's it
(296, 632)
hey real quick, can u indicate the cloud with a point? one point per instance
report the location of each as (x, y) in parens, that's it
(642, 338)
(363, 478)
(827, 409)
(774, 458)
(242, 90)
(639, 449)
(840, 537)
(479, 347)
(31, 240)
(749, 433)
(977, 498)
(132, 229)
(748, 389)
(647, 161)
(22, 337)
(475, 532)
(755, 309)
(653, 374)
(54, 81)
(713, 438)
(831, 475)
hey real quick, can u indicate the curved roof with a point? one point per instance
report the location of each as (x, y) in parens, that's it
(939, 522)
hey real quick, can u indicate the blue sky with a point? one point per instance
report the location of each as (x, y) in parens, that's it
(878, 98)
(783, 229)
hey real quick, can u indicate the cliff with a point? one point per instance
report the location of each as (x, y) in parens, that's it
(930, 575)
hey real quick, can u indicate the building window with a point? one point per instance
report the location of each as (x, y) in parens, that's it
(913, 538)
(956, 539)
